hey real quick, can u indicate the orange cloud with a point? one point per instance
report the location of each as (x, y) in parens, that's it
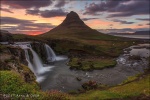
(97, 23)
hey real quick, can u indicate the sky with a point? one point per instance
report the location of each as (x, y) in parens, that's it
(35, 17)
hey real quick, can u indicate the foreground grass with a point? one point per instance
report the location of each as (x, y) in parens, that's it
(14, 87)
(12, 83)
(132, 89)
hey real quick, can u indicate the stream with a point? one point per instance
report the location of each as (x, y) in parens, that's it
(64, 79)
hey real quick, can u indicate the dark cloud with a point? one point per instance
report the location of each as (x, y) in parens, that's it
(122, 21)
(60, 3)
(33, 12)
(52, 13)
(47, 13)
(25, 4)
(119, 8)
(23, 25)
(148, 24)
(86, 19)
(143, 19)
(10, 20)
(6, 10)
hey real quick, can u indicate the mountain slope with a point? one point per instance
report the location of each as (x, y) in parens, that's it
(74, 27)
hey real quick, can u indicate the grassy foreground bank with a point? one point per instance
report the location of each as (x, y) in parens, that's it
(13, 86)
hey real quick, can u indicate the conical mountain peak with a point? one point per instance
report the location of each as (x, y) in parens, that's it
(72, 19)
(72, 14)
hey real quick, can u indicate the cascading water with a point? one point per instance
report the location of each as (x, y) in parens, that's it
(51, 57)
(36, 65)
(40, 69)
(28, 60)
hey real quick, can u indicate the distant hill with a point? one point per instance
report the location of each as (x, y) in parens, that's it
(74, 27)
(5, 36)
(142, 33)
(136, 33)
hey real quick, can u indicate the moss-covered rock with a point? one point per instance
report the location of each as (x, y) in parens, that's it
(91, 64)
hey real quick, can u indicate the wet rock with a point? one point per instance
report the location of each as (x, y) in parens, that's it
(78, 78)
(39, 48)
(18, 53)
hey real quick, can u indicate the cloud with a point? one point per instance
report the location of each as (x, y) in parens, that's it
(20, 25)
(25, 4)
(143, 19)
(86, 19)
(119, 8)
(148, 24)
(32, 12)
(6, 10)
(10, 20)
(47, 13)
(60, 3)
(140, 24)
(122, 21)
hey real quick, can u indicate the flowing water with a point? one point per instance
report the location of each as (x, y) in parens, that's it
(64, 79)
(51, 57)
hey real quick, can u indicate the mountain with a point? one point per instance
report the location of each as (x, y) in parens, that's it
(72, 21)
(135, 33)
(73, 27)
(142, 33)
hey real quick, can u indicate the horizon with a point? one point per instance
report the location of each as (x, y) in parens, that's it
(107, 16)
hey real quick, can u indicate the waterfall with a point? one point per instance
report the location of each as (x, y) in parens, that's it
(40, 69)
(51, 57)
(36, 65)
(28, 60)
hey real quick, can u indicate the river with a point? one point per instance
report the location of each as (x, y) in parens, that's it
(64, 79)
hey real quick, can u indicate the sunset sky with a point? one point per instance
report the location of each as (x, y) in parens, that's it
(38, 16)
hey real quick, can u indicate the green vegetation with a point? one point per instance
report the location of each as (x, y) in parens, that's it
(2, 48)
(132, 89)
(23, 37)
(91, 64)
(12, 83)
(15, 87)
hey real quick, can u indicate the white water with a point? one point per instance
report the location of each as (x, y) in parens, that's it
(37, 63)
(36, 66)
(28, 60)
(51, 57)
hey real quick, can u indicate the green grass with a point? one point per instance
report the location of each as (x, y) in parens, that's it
(2, 48)
(15, 87)
(91, 64)
(132, 89)
(12, 83)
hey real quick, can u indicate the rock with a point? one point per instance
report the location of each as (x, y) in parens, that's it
(5, 36)
(78, 78)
